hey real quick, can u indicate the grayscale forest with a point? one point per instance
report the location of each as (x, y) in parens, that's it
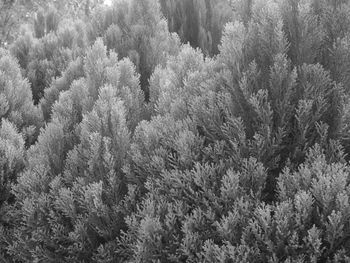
(153, 131)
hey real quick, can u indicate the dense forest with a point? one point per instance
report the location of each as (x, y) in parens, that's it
(175, 131)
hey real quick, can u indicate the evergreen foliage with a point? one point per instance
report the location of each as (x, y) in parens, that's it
(16, 98)
(135, 29)
(198, 22)
(118, 143)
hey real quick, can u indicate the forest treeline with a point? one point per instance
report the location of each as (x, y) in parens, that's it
(120, 142)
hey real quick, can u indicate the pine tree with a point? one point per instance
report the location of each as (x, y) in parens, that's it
(16, 98)
(135, 29)
(73, 72)
(12, 153)
(173, 87)
(198, 22)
